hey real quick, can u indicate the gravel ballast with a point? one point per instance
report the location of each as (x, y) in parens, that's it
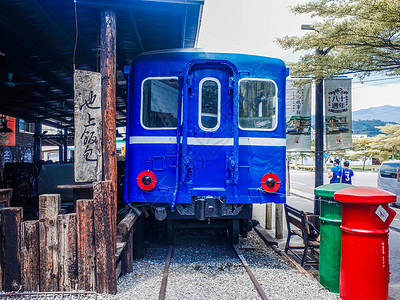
(206, 268)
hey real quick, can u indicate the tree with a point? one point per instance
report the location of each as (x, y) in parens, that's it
(390, 140)
(383, 146)
(354, 36)
(363, 149)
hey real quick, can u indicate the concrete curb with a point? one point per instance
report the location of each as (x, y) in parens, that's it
(304, 195)
(271, 242)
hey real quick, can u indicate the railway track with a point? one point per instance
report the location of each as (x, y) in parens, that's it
(236, 250)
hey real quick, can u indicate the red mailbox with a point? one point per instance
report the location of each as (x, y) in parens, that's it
(364, 269)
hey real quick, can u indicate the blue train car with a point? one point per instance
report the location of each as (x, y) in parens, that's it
(205, 135)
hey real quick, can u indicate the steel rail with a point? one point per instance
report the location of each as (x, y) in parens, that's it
(257, 285)
(164, 281)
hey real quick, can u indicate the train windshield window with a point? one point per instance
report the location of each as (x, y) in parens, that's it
(160, 98)
(209, 104)
(257, 104)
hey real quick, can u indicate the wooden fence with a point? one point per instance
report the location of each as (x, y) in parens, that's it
(64, 252)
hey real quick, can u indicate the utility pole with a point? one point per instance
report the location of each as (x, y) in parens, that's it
(319, 127)
(319, 136)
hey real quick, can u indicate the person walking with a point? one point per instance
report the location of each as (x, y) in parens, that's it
(347, 173)
(335, 172)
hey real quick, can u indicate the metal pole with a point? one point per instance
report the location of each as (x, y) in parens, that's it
(65, 160)
(319, 136)
(60, 154)
(37, 143)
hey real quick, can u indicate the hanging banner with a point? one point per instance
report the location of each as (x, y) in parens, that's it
(338, 114)
(7, 138)
(298, 116)
(88, 126)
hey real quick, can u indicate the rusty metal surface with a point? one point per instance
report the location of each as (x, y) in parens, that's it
(163, 288)
(257, 285)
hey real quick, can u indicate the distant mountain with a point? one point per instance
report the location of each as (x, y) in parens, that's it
(386, 113)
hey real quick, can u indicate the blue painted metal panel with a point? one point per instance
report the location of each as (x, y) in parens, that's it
(234, 163)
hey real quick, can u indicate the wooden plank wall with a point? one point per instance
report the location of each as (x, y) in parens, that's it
(66, 252)
(49, 208)
(30, 255)
(11, 219)
(85, 245)
(67, 234)
(103, 195)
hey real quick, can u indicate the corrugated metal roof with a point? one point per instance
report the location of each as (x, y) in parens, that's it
(37, 39)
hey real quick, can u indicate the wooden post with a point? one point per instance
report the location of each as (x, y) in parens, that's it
(138, 238)
(85, 245)
(30, 256)
(125, 228)
(108, 42)
(127, 255)
(11, 219)
(103, 194)
(67, 252)
(288, 177)
(49, 208)
(278, 221)
(268, 216)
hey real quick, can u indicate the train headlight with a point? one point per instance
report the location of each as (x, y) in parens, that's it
(270, 182)
(146, 180)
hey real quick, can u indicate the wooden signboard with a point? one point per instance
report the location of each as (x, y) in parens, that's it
(88, 126)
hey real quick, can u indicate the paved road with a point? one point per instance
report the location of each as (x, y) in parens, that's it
(302, 183)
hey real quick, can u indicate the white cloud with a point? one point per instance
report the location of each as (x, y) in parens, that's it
(249, 26)
(365, 96)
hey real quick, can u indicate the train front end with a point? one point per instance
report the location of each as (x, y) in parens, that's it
(205, 136)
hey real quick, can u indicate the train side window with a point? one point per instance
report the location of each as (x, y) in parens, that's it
(209, 104)
(160, 98)
(257, 104)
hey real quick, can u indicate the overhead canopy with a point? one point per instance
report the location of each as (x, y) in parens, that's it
(37, 40)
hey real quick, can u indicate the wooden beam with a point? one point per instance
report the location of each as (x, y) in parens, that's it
(30, 256)
(67, 251)
(103, 194)
(49, 208)
(85, 245)
(11, 219)
(108, 41)
(126, 223)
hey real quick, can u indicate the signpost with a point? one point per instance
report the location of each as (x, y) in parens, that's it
(88, 126)
(338, 125)
(298, 116)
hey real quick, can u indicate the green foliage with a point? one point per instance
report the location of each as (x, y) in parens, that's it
(368, 127)
(384, 146)
(353, 36)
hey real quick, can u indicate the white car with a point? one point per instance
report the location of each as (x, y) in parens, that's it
(389, 178)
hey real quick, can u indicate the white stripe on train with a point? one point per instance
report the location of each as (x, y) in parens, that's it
(243, 141)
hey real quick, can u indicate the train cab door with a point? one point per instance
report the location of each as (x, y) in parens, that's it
(209, 127)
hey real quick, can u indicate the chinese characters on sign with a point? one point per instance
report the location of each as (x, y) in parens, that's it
(338, 125)
(298, 116)
(88, 126)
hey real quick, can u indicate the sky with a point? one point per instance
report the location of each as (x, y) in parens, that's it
(251, 26)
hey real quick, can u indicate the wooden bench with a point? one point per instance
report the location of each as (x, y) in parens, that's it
(296, 221)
